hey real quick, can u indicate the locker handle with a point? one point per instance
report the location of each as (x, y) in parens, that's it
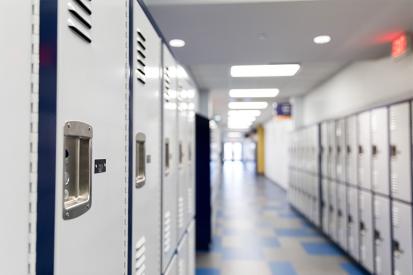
(339, 213)
(361, 151)
(393, 151)
(167, 156)
(181, 155)
(350, 219)
(374, 150)
(377, 236)
(348, 149)
(338, 149)
(140, 164)
(397, 252)
(77, 170)
(362, 228)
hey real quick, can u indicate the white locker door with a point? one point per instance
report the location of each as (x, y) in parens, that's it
(342, 215)
(172, 269)
(325, 206)
(351, 151)
(366, 231)
(380, 151)
(353, 222)
(91, 142)
(191, 248)
(400, 152)
(324, 149)
(18, 139)
(332, 159)
(402, 238)
(169, 159)
(341, 150)
(364, 152)
(382, 236)
(183, 251)
(333, 210)
(146, 145)
(191, 155)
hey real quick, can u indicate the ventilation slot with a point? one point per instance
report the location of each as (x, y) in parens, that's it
(140, 257)
(167, 232)
(396, 216)
(140, 57)
(181, 212)
(167, 84)
(190, 201)
(80, 19)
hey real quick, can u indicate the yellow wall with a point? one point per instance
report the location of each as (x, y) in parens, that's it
(260, 150)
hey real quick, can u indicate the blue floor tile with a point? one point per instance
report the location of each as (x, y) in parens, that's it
(282, 268)
(352, 269)
(249, 253)
(296, 232)
(321, 249)
(207, 271)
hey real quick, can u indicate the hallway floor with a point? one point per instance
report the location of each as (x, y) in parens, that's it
(256, 232)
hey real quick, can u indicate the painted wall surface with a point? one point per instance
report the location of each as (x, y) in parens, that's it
(359, 86)
(276, 150)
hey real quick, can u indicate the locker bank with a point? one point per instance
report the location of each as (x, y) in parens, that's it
(210, 137)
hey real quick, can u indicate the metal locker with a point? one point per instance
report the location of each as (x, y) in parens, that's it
(172, 268)
(353, 223)
(169, 159)
(324, 149)
(191, 98)
(182, 255)
(382, 235)
(333, 215)
(366, 230)
(86, 92)
(341, 150)
(19, 69)
(402, 238)
(146, 141)
(325, 206)
(342, 215)
(400, 152)
(332, 149)
(380, 151)
(364, 150)
(191, 248)
(351, 151)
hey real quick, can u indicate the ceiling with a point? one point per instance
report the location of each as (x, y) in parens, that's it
(221, 33)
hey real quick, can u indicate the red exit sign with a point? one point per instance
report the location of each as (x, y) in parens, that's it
(400, 46)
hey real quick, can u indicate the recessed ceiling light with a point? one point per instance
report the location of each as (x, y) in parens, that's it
(264, 70)
(237, 93)
(248, 105)
(177, 43)
(322, 39)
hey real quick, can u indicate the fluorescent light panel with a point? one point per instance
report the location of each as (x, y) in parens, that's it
(248, 105)
(249, 93)
(265, 70)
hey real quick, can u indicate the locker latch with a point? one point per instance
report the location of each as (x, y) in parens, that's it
(77, 169)
(377, 237)
(361, 151)
(393, 151)
(140, 160)
(397, 252)
(374, 150)
(362, 228)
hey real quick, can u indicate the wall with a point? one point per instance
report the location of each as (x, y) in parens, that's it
(276, 150)
(359, 86)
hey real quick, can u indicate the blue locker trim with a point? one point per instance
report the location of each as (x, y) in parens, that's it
(47, 138)
(131, 139)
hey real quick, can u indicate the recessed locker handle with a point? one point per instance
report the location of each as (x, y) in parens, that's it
(77, 169)
(167, 157)
(397, 251)
(140, 160)
(393, 151)
(374, 150)
(361, 151)
(362, 228)
(377, 237)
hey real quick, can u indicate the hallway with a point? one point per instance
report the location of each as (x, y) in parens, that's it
(256, 232)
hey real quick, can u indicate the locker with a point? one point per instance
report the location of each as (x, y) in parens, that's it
(353, 224)
(325, 206)
(380, 151)
(324, 149)
(366, 231)
(18, 139)
(351, 151)
(382, 235)
(341, 150)
(332, 148)
(182, 256)
(364, 150)
(172, 268)
(342, 215)
(191, 248)
(402, 238)
(333, 215)
(146, 141)
(400, 152)
(169, 159)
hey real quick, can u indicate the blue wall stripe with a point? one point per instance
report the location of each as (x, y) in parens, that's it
(47, 138)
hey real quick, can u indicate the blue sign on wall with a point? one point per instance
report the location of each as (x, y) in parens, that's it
(283, 109)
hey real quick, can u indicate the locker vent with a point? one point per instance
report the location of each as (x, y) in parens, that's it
(396, 216)
(394, 184)
(377, 211)
(190, 202)
(140, 257)
(167, 84)
(140, 57)
(393, 121)
(167, 232)
(79, 21)
(181, 212)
